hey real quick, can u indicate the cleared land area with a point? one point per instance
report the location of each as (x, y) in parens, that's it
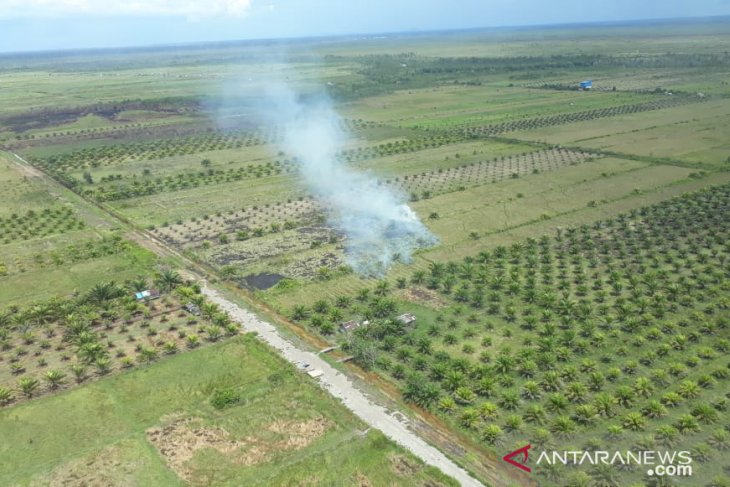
(282, 430)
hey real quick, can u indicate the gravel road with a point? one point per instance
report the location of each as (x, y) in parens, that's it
(394, 426)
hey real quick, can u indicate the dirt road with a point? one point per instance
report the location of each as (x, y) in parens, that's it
(394, 426)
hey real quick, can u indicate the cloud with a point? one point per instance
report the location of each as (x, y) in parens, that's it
(192, 9)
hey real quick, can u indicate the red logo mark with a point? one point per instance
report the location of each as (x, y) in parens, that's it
(520, 462)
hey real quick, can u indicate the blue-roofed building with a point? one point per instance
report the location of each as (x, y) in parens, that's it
(147, 295)
(586, 85)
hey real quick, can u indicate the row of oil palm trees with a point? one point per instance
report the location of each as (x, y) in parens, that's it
(110, 154)
(74, 319)
(33, 224)
(572, 117)
(622, 325)
(133, 187)
(398, 147)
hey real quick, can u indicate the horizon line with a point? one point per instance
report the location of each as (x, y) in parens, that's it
(353, 36)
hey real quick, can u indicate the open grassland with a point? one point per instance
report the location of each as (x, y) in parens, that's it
(19, 195)
(50, 246)
(680, 133)
(688, 80)
(197, 202)
(45, 275)
(459, 106)
(281, 430)
(643, 39)
(69, 89)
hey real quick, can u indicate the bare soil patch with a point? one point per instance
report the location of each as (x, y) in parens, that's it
(179, 441)
(262, 281)
(100, 469)
(432, 483)
(403, 466)
(361, 480)
(423, 296)
(300, 434)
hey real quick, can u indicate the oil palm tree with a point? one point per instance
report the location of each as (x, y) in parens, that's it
(6, 395)
(671, 399)
(492, 434)
(688, 389)
(91, 351)
(138, 284)
(557, 403)
(28, 386)
(667, 435)
(614, 431)
(704, 413)
(209, 310)
(513, 423)
(720, 440)
(104, 291)
(168, 279)
(464, 395)
(604, 475)
(382, 288)
(103, 365)
(530, 390)
(551, 381)
(576, 392)
(54, 378)
(148, 355)
(625, 396)
(79, 372)
(634, 421)
(299, 312)
(509, 400)
(654, 409)
(585, 414)
(563, 426)
(643, 387)
(453, 380)
(535, 413)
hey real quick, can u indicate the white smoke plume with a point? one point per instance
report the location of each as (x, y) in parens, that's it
(379, 227)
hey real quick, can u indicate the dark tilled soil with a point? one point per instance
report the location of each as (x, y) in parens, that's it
(262, 281)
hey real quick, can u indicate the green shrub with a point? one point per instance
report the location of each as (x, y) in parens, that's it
(224, 398)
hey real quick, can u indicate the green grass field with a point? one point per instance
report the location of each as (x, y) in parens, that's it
(38, 259)
(682, 133)
(100, 434)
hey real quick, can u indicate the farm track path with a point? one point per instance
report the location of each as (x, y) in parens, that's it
(392, 423)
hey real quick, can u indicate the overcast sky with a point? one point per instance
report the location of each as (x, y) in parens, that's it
(61, 24)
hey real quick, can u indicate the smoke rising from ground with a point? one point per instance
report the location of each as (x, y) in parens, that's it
(378, 225)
